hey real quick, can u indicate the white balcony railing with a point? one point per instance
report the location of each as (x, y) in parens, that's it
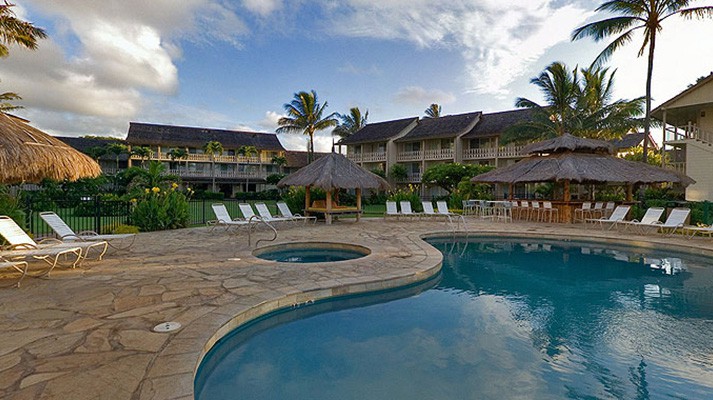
(206, 158)
(218, 174)
(677, 166)
(411, 178)
(492, 152)
(368, 157)
(438, 154)
(409, 156)
(690, 131)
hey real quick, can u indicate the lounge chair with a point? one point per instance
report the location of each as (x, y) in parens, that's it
(66, 234)
(674, 222)
(247, 210)
(406, 209)
(428, 210)
(652, 216)
(21, 246)
(285, 212)
(391, 210)
(266, 215)
(223, 218)
(694, 230)
(616, 217)
(19, 266)
(443, 210)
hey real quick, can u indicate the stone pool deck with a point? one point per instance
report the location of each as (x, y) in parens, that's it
(86, 333)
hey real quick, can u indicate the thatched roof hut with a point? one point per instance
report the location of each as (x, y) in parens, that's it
(332, 172)
(567, 142)
(30, 155)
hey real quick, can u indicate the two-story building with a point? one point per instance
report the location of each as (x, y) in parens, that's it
(233, 172)
(688, 136)
(418, 144)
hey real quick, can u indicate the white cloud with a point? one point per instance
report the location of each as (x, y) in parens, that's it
(262, 7)
(269, 123)
(496, 38)
(352, 69)
(420, 97)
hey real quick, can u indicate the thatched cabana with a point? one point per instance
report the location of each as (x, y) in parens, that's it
(30, 155)
(569, 159)
(330, 173)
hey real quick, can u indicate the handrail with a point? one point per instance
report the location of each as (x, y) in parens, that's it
(260, 219)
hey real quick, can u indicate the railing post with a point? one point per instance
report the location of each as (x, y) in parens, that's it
(204, 220)
(97, 214)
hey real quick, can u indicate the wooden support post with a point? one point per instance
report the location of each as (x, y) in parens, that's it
(307, 201)
(630, 192)
(328, 214)
(358, 203)
(510, 190)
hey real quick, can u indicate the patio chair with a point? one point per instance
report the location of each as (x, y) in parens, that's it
(267, 216)
(548, 211)
(581, 214)
(616, 217)
(674, 222)
(66, 234)
(223, 218)
(391, 210)
(285, 212)
(652, 216)
(19, 266)
(406, 210)
(21, 246)
(443, 210)
(598, 210)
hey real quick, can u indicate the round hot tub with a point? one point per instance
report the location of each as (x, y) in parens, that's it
(311, 252)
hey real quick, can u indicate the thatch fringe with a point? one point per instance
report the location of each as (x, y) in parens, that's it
(334, 171)
(30, 155)
(568, 142)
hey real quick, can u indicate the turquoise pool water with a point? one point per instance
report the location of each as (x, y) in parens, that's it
(310, 253)
(507, 319)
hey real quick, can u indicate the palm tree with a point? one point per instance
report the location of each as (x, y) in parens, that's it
(117, 149)
(631, 16)
(177, 154)
(5, 104)
(96, 152)
(433, 111)
(247, 152)
(280, 161)
(580, 105)
(142, 152)
(304, 114)
(213, 148)
(16, 31)
(350, 123)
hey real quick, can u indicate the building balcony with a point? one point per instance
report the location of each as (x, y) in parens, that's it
(379, 156)
(690, 131)
(240, 175)
(411, 178)
(493, 152)
(677, 166)
(409, 156)
(438, 154)
(206, 158)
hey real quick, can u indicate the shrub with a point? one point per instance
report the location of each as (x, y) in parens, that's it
(10, 206)
(295, 197)
(119, 229)
(409, 194)
(161, 209)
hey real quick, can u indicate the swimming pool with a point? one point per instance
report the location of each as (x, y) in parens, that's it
(511, 318)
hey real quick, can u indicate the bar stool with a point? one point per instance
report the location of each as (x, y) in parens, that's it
(598, 210)
(551, 212)
(583, 212)
(535, 211)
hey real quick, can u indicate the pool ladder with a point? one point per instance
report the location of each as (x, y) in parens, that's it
(259, 219)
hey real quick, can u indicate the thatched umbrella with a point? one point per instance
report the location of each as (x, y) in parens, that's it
(30, 155)
(331, 172)
(571, 159)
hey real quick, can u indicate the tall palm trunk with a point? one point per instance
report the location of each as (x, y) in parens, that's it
(649, 76)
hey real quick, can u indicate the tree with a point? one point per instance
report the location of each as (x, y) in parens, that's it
(280, 161)
(448, 176)
(304, 114)
(213, 148)
(117, 149)
(350, 123)
(247, 152)
(178, 154)
(398, 173)
(631, 16)
(16, 31)
(142, 152)
(654, 157)
(96, 152)
(5, 104)
(433, 111)
(577, 104)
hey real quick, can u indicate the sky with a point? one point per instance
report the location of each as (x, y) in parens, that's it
(233, 64)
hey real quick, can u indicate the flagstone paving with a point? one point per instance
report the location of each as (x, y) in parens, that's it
(87, 333)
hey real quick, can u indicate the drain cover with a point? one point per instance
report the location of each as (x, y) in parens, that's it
(164, 327)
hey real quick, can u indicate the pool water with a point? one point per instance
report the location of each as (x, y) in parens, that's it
(311, 255)
(508, 319)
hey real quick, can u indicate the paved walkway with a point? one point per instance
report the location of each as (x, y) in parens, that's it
(86, 333)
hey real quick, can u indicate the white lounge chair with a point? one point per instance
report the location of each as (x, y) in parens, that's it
(675, 221)
(19, 266)
(223, 218)
(428, 210)
(406, 210)
(247, 210)
(443, 210)
(66, 234)
(285, 212)
(651, 216)
(21, 246)
(694, 230)
(391, 210)
(616, 217)
(266, 215)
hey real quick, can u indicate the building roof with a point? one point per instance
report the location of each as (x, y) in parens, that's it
(169, 135)
(442, 127)
(673, 102)
(379, 131)
(334, 171)
(492, 124)
(83, 144)
(299, 159)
